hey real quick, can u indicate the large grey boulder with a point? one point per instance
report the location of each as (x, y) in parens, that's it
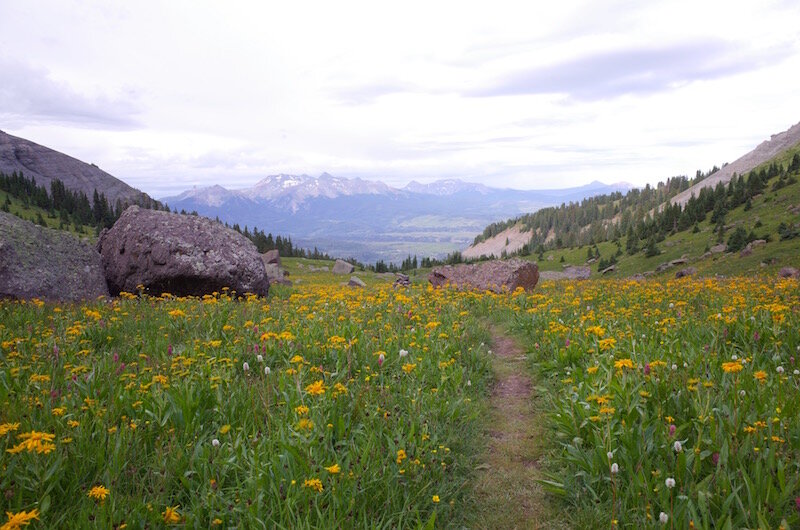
(342, 267)
(493, 275)
(38, 262)
(179, 254)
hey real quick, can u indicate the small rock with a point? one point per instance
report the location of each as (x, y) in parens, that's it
(355, 281)
(605, 271)
(789, 272)
(688, 271)
(719, 249)
(271, 256)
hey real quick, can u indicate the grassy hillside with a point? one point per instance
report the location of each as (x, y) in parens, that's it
(761, 219)
(34, 214)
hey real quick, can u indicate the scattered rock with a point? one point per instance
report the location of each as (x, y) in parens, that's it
(402, 280)
(679, 261)
(789, 272)
(574, 272)
(719, 249)
(489, 275)
(746, 251)
(342, 267)
(355, 281)
(550, 257)
(638, 277)
(664, 266)
(612, 268)
(38, 262)
(272, 256)
(757, 243)
(179, 254)
(301, 266)
(590, 261)
(275, 274)
(552, 275)
(688, 271)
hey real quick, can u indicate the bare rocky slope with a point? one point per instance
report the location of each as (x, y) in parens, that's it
(45, 165)
(765, 151)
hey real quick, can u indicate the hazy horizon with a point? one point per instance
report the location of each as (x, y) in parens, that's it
(514, 95)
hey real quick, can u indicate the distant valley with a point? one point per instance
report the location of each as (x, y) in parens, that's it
(370, 220)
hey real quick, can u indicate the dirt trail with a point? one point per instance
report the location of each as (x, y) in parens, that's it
(508, 495)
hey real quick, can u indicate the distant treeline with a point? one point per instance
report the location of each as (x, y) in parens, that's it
(639, 216)
(71, 207)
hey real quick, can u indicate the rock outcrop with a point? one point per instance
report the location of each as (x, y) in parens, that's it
(789, 272)
(275, 274)
(494, 276)
(45, 165)
(37, 262)
(343, 267)
(272, 256)
(683, 273)
(355, 281)
(179, 254)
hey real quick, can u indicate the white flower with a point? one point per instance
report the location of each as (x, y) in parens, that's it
(403, 353)
(267, 370)
(670, 482)
(260, 358)
(796, 372)
(215, 442)
(671, 305)
(742, 393)
(610, 455)
(663, 518)
(734, 357)
(469, 382)
(677, 446)
(245, 366)
(779, 369)
(614, 468)
(674, 367)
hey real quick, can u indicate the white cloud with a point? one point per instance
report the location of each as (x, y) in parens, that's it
(166, 95)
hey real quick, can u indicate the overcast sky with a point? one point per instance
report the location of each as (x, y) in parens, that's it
(167, 95)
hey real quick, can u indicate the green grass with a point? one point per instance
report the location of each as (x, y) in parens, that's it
(771, 208)
(30, 213)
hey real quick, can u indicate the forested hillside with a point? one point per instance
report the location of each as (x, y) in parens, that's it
(636, 214)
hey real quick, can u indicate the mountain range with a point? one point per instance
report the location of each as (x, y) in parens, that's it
(370, 220)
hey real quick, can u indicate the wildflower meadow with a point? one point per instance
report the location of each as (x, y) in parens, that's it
(671, 404)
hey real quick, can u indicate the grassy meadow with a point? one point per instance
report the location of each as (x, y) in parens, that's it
(324, 406)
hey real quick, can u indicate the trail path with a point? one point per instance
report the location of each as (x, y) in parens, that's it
(508, 495)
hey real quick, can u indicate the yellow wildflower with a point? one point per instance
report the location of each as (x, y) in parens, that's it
(334, 469)
(34, 441)
(18, 520)
(98, 493)
(316, 388)
(6, 428)
(171, 515)
(732, 367)
(623, 363)
(313, 484)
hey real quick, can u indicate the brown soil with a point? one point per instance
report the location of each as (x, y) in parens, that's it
(508, 494)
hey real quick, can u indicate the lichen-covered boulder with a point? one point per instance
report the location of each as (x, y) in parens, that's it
(179, 254)
(343, 267)
(496, 275)
(38, 262)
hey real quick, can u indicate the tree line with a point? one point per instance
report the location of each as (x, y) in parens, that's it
(644, 216)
